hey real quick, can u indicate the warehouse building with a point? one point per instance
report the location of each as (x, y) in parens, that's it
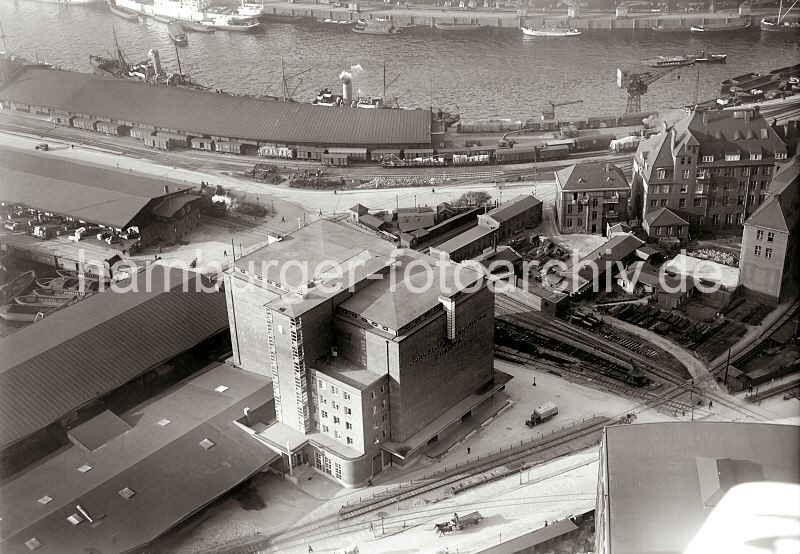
(402, 347)
(659, 482)
(166, 116)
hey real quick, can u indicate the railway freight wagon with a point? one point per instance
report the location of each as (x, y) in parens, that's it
(593, 142)
(277, 152)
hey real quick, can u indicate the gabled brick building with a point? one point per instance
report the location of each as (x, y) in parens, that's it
(710, 168)
(591, 196)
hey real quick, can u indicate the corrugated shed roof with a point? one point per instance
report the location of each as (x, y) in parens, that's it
(85, 351)
(209, 113)
(514, 207)
(84, 192)
(169, 473)
(463, 239)
(655, 503)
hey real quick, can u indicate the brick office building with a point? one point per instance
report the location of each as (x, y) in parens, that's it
(368, 363)
(768, 263)
(591, 196)
(710, 168)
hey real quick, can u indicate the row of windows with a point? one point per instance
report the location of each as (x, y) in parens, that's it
(770, 236)
(712, 202)
(767, 252)
(336, 434)
(669, 230)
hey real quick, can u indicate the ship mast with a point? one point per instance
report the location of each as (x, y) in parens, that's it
(178, 56)
(3, 36)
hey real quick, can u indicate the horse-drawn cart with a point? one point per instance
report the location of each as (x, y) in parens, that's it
(458, 523)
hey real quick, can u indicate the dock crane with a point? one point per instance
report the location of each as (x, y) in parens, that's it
(549, 112)
(636, 80)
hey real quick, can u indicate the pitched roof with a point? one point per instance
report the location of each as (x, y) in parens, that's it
(514, 207)
(146, 481)
(656, 476)
(591, 176)
(781, 210)
(664, 217)
(359, 209)
(651, 152)
(785, 176)
(614, 249)
(464, 239)
(76, 190)
(720, 132)
(87, 350)
(212, 114)
(411, 222)
(372, 221)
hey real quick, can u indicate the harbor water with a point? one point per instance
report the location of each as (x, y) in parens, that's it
(490, 73)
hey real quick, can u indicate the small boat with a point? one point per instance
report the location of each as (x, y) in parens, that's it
(17, 285)
(282, 18)
(711, 58)
(161, 19)
(57, 283)
(458, 26)
(44, 301)
(550, 32)
(176, 33)
(779, 23)
(124, 13)
(193, 27)
(671, 61)
(670, 29)
(721, 27)
(222, 22)
(336, 21)
(61, 292)
(375, 26)
(24, 314)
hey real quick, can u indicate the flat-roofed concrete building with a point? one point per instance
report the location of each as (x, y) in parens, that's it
(372, 352)
(658, 482)
(768, 263)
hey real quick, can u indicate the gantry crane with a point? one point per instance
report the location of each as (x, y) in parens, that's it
(635, 80)
(549, 112)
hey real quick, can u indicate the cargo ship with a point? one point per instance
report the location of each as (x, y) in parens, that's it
(671, 61)
(458, 26)
(188, 10)
(227, 22)
(375, 27)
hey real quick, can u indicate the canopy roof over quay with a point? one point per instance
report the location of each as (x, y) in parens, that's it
(205, 113)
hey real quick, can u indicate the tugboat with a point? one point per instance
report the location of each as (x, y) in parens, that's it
(176, 33)
(550, 32)
(711, 58)
(376, 26)
(224, 22)
(671, 61)
(726, 27)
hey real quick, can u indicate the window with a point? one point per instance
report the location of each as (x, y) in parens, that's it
(318, 460)
(755, 155)
(328, 466)
(383, 433)
(334, 389)
(682, 203)
(337, 434)
(568, 222)
(348, 425)
(322, 385)
(580, 208)
(757, 250)
(381, 389)
(698, 202)
(663, 202)
(349, 440)
(375, 409)
(658, 231)
(346, 395)
(594, 202)
(569, 208)
(728, 219)
(708, 158)
(740, 218)
(760, 235)
(348, 411)
(384, 418)
(751, 198)
(768, 252)
(594, 216)
(372, 394)
(728, 172)
(684, 188)
(770, 237)
(334, 404)
(745, 171)
(686, 173)
(780, 155)
(337, 470)
(323, 413)
(375, 424)
(715, 219)
(767, 170)
(731, 157)
(336, 419)
(761, 198)
(383, 403)
(654, 203)
(326, 429)
(680, 230)
(740, 200)
(756, 169)
(661, 173)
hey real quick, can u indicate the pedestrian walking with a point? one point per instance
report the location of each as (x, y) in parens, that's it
(469, 450)
(710, 403)
(310, 549)
(225, 253)
(283, 219)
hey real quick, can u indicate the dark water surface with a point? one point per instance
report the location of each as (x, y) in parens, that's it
(486, 74)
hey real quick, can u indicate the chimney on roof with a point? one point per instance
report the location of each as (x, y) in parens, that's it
(166, 189)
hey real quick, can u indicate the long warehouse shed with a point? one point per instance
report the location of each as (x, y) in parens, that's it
(63, 94)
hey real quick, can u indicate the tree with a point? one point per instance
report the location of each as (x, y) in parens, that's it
(472, 198)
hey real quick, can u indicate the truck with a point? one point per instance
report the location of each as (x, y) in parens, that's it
(542, 414)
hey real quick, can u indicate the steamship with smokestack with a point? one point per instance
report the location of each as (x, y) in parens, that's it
(346, 99)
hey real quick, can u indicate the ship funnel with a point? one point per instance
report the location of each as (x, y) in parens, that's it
(155, 60)
(347, 86)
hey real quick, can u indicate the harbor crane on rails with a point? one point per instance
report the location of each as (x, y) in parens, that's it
(635, 80)
(549, 112)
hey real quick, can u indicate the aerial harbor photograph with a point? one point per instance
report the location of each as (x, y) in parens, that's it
(396, 277)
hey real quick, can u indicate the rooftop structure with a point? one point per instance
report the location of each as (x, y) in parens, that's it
(85, 192)
(76, 355)
(150, 468)
(659, 482)
(205, 113)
